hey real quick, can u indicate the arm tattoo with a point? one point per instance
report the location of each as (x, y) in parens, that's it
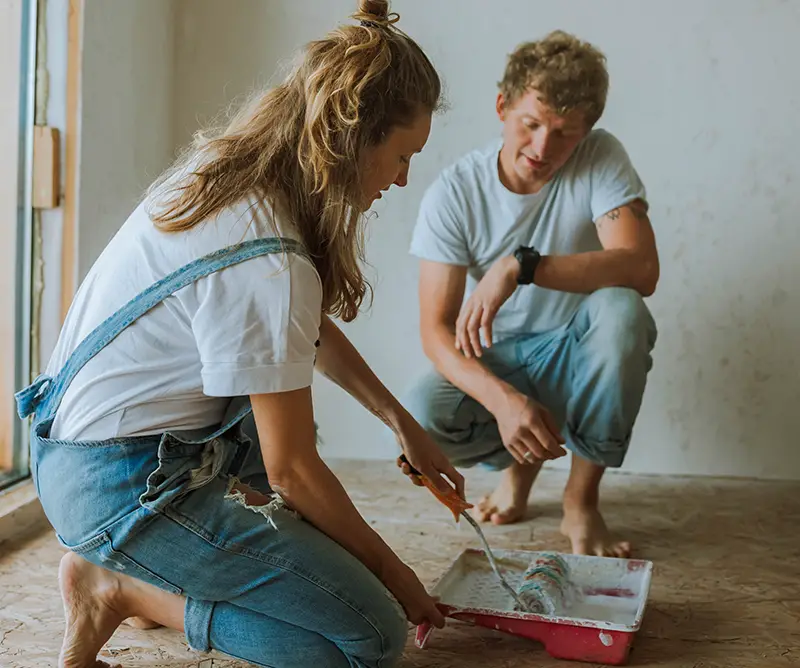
(636, 208)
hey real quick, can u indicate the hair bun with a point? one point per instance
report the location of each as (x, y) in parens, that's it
(377, 10)
(375, 13)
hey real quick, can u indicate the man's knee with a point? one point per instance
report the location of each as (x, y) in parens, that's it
(464, 429)
(621, 323)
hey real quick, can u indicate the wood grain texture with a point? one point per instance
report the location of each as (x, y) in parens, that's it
(69, 241)
(725, 592)
(46, 167)
(10, 80)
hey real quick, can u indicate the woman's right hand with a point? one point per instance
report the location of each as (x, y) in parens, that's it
(419, 606)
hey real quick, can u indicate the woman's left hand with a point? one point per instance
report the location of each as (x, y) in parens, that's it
(426, 457)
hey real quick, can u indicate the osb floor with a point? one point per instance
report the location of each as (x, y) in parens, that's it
(725, 593)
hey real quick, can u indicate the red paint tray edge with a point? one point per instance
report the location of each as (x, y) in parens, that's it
(564, 637)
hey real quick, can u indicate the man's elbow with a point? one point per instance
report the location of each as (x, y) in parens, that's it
(429, 346)
(648, 279)
(434, 337)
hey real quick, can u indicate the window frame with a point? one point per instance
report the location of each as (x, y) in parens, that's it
(18, 50)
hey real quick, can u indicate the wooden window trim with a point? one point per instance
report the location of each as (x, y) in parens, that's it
(17, 53)
(69, 248)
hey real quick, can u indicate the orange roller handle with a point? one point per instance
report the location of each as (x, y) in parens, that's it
(449, 499)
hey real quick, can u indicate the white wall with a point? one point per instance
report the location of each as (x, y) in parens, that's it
(126, 119)
(703, 95)
(126, 115)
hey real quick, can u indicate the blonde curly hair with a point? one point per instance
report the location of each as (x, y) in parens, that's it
(299, 146)
(569, 74)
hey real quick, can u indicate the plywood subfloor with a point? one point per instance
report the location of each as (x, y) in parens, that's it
(725, 594)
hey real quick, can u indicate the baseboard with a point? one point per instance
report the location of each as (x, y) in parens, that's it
(21, 513)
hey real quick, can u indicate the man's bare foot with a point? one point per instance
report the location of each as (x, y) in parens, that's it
(91, 597)
(509, 502)
(142, 623)
(587, 531)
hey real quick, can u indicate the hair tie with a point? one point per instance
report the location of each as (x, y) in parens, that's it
(371, 24)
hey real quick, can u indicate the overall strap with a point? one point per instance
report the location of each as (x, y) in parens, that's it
(44, 395)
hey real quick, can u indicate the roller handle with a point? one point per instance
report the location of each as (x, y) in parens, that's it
(450, 499)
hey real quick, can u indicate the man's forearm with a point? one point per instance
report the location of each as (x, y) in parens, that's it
(340, 362)
(467, 374)
(587, 272)
(579, 273)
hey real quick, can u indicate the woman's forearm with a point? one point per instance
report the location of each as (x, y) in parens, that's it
(340, 362)
(312, 489)
(285, 424)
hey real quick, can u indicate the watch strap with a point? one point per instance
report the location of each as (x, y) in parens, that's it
(528, 259)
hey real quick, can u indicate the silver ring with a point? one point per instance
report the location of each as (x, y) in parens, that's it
(528, 456)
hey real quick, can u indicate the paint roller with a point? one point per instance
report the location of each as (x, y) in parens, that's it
(545, 586)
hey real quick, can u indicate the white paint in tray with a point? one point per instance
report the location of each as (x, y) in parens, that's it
(608, 593)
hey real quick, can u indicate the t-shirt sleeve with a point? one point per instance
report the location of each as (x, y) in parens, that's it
(439, 234)
(614, 180)
(257, 325)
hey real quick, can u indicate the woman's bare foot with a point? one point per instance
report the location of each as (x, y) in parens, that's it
(96, 601)
(587, 531)
(509, 502)
(91, 597)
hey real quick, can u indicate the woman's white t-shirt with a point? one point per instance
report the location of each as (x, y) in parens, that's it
(249, 329)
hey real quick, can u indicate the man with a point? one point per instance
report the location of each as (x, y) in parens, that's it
(548, 230)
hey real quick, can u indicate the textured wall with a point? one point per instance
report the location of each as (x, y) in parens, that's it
(702, 96)
(126, 114)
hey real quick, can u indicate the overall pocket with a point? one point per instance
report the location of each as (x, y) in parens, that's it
(184, 466)
(85, 486)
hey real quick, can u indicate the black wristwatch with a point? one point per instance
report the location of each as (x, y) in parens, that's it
(528, 259)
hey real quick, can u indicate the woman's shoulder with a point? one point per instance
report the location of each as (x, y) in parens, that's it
(246, 220)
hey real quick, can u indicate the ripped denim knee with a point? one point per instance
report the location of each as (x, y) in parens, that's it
(258, 502)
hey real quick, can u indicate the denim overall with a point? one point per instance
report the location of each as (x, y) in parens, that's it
(260, 583)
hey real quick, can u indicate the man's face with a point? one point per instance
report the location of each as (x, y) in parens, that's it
(536, 140)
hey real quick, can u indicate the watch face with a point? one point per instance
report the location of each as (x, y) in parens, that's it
(527, 260)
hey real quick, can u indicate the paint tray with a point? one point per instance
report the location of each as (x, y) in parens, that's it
(599, 626)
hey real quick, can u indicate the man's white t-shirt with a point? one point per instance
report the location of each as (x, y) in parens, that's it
(469, 218)
(249, 329)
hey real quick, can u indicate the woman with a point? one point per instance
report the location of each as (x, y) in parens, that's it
(180, 505)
